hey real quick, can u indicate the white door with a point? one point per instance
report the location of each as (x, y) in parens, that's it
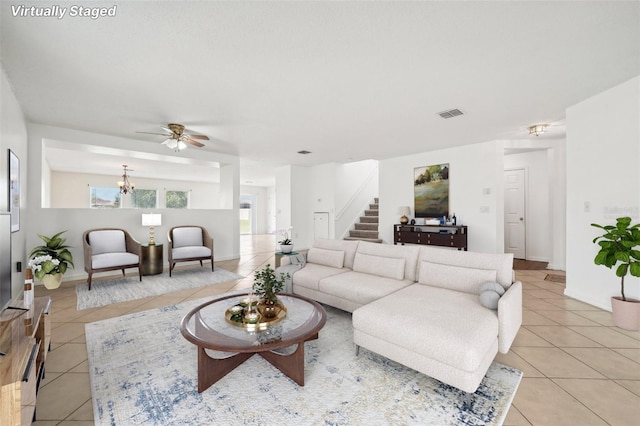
(320, 225)
(514, 208)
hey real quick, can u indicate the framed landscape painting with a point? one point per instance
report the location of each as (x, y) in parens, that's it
(431, 190)
(14, 191)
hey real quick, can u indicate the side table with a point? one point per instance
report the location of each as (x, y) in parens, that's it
(151, 259)
(280, 255)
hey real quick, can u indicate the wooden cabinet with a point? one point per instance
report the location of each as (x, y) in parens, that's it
(431, 235)
(24, 342)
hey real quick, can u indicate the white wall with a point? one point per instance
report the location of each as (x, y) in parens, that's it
(13, 136)
(603, 183)
(475, 179)
(223, 223)
(537, 207)
(71, 190)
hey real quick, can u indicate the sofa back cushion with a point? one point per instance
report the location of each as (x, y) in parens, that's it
(388, 267)
(408, 253)
(501, 263)
(333, 258)
(107, 241)
(456, 278)
(348, 247)
(187, 236)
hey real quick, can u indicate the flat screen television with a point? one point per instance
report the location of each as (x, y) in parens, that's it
(5, 260)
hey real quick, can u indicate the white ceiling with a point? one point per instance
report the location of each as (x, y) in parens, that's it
(345, 80)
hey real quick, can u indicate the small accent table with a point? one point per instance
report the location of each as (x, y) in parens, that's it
(280, 255)
(151, 259)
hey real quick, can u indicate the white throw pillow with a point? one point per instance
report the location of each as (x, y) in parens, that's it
(456, 278)
(493, 286)
(389, 267)
(489, 299)
(333, 258)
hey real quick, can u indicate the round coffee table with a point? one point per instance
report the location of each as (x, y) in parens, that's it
(282, 344)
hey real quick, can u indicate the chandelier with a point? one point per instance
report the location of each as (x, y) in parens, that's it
(538, 129)
(124, 184)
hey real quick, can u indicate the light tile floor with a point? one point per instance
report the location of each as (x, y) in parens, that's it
(578, 368)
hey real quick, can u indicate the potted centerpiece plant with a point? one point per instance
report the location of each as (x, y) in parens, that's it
(286, 246)
(618, 247)
(50, 261)
(267, 286)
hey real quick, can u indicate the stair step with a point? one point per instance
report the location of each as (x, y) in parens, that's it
(376, 200)
(368, 219)
(371, 212)
(371, 240)
(373, 206)
(366, 226)
(364, 234)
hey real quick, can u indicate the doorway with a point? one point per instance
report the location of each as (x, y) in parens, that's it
(247, 213)
(515, 230)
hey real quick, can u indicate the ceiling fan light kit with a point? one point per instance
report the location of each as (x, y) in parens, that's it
(178, 137)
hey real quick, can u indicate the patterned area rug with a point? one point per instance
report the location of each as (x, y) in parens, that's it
(131, 288)
(143, 372)
(556, 278)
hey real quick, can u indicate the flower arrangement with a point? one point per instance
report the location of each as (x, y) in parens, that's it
(267, 285)
(52, 258)
(286, 241)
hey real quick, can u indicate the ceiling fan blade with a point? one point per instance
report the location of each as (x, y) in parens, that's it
(201, 137)
(188, 140)
(149, 133)
(166, 129)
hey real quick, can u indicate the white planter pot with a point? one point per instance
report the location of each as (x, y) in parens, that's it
(626, 314)
(286, 248)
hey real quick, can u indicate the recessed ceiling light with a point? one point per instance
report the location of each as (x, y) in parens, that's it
(304, 152)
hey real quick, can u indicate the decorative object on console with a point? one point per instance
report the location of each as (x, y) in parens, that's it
(404, 211)
(49, 262)
(267, 285)
(286, 246)
(431, 190)
(151, 220)
(538, 129)
(618, 246)
(124, 184)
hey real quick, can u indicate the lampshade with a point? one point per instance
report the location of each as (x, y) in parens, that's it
(151, 219)
(404, 211)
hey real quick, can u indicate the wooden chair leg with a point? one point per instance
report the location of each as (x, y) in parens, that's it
(171, 265)
(140, 273)
(201, 263)
(212, 265)
(89, 280)
(123, 273)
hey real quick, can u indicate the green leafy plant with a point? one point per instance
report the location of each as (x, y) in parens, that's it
(617, 247)
(267, 284)
(52, 258)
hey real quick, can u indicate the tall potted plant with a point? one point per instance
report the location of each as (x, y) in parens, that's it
(267, 285)
(618, 248)
(50, 261)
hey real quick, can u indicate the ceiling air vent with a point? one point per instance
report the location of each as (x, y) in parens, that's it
(450, 113)
(304, 152)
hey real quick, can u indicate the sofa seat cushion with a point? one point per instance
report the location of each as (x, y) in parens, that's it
(190, 252)
(110, 260)
(311, 274)
(445, 325)
(360, 287)
(107, 241)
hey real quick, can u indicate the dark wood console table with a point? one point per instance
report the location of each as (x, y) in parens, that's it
(431, 235)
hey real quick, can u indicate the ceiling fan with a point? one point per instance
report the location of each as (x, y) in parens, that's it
(178, 137)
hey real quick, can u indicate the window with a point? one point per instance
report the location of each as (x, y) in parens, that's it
(144, 199)
(177, 199)
(104, 198)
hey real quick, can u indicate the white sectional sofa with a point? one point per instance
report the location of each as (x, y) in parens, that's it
(418, 305)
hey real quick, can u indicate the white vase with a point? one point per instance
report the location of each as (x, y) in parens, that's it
(52, 281)
(626, 314)
(286, 248)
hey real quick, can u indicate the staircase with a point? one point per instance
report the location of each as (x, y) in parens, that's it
(367, 228)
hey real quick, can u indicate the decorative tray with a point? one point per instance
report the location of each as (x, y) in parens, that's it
(235, 315)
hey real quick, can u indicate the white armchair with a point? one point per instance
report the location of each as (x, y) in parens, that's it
(189, 243)
(110, 249)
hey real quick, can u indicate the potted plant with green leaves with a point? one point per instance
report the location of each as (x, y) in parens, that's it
(50, 261)
(618, 247)
(267, 285)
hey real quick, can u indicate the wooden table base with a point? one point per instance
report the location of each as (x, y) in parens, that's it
(210, 370)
